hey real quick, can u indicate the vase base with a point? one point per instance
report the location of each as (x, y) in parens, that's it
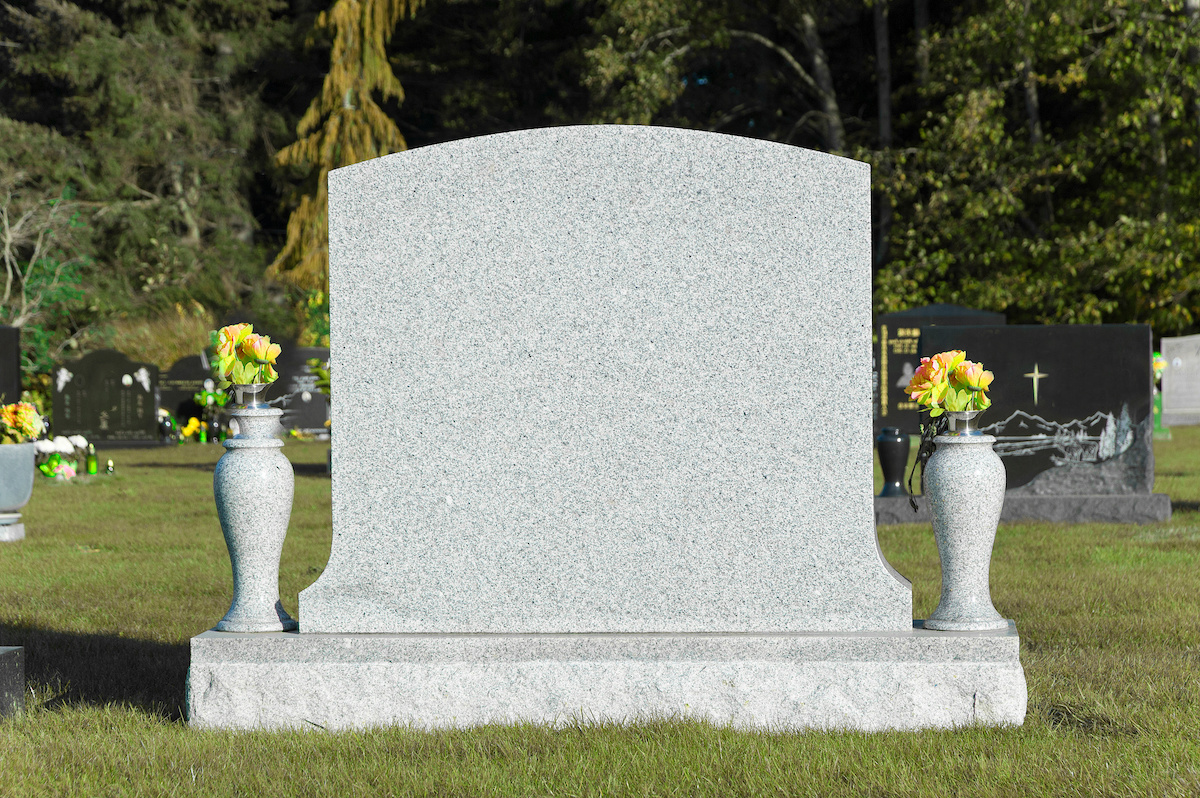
(966, 626)
(281, 622)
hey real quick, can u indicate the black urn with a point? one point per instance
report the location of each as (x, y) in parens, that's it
(893, 457)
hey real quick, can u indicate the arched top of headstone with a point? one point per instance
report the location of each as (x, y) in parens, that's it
(602, 379)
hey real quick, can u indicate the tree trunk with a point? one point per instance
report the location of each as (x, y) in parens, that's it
(883, 73)
(921, 23)
(1032, 107)
(1193, 11)
(883, 83)
(835, 132)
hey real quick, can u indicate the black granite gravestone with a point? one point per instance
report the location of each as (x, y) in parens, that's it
(105, 396)
(1071, 404)
(897, 340)
(186, 377)
(304, 407)
(1071, 412)
(10, 365)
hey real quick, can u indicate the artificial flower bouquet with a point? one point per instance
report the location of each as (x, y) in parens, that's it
(244, 357)
(20, 422)
(948, 381)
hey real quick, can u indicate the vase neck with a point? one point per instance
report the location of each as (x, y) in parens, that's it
(962, 423)
(252, 396)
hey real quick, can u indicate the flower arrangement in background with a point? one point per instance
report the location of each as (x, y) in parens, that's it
(20, 423)
(1160, 365)
(59, 457)
(243, 357)
(948, 381)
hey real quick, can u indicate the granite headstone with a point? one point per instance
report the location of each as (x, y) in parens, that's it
(897, 342)
(105, 396)
(10, 365)
(613, 489)
(1181, 381)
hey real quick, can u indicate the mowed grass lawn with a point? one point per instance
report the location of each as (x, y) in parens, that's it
(118, 572)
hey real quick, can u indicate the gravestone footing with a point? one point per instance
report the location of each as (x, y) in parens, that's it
(871, 681)
(12, 680)
(1133, 508)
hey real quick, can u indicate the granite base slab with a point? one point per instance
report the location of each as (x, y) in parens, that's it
(1136, 508)
(871, 681)
(12, 680)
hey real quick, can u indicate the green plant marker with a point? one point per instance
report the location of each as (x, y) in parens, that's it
(92, 464)
(1161, 433)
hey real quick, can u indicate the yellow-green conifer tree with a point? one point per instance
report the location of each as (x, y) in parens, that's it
(343, 125)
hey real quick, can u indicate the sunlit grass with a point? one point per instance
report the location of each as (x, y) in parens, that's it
(117, 573)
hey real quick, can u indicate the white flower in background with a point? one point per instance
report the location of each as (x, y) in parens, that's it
(45, 446)
(79, 442)
(62, 445)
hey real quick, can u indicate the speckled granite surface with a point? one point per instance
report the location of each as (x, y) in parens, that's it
(870, 680)
(598, 379)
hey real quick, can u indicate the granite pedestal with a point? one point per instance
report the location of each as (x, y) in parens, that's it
(599, 358)
(908, 679)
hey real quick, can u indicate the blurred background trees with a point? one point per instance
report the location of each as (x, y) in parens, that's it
(1034, 157)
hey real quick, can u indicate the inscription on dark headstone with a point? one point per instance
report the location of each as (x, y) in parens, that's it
(897, 338)
(304, 407)
(105, 396)
(10, 365)
(186, 377)
(1071, 404)
(1181, 381)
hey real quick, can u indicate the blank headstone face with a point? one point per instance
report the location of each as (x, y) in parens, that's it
(105, 396)
(1181, 380)
(1064, 395)
(602, 379)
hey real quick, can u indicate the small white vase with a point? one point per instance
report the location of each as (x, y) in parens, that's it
(253, 485)
(965, 480)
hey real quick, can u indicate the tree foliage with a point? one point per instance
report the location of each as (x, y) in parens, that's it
(1040, 157)
(344, 125)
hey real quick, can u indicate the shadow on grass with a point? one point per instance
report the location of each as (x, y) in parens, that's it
(1184, 506)
(103, 669)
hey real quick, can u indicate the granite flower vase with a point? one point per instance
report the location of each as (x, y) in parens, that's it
(16, 486)
(253, 485)
(965, 480)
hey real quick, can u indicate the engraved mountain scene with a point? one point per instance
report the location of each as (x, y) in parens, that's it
(1099, 437)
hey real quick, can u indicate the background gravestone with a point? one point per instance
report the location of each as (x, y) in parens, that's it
(10, 365)
(1181, 381)
(186, 377)
(1071, 411)
(105, 396)
(304, 407)
(897, 342)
